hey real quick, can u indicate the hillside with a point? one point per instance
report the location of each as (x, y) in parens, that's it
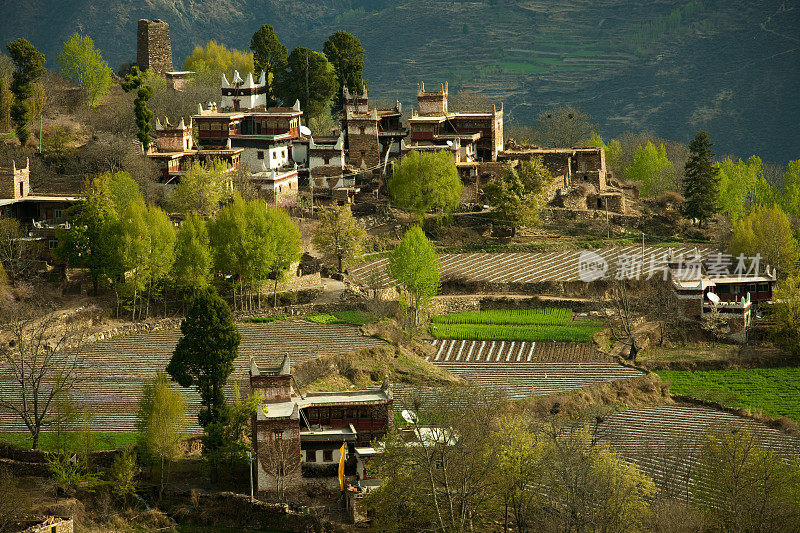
(669, 67)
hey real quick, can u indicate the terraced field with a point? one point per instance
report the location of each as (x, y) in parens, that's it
(773, 391)
(465, 351)
(530, 267)
(664, 440)
(116, 369)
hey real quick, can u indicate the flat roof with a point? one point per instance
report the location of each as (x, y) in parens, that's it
(358, 396)
(9, 201)
(328, 434)
(275, 410)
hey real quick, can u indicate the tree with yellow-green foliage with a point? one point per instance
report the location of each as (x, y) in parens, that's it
(161, 424)
(202, 188)
(738, 181)
(768, 232)
(744, 487)
(209, 62)
(338, 235)
(425, 181)
(84, 65)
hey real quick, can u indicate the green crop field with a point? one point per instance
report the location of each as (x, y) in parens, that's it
(773, 391)
(341, 317)
(493, 332)
(549, 324)
(549, 316)
(103, 440)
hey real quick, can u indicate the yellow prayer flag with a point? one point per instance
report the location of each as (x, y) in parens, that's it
(341, 466)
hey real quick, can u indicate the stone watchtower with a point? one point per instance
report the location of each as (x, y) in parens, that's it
(153, 48)
(15, 183)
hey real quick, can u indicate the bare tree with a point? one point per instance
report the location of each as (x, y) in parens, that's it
(278, 459)
(17, 251)
(40, 360)
(621, 315)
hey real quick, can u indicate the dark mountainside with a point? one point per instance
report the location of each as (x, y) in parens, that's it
(671, 68)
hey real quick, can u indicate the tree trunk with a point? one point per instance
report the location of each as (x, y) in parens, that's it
(634, 351)
(35, 444)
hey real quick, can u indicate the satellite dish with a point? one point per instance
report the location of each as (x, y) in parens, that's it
(713, 297)
(409, 416)
(450, 143)
(304, 130)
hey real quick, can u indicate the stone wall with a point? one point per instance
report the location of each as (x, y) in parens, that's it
(363, 148)
(153, 48)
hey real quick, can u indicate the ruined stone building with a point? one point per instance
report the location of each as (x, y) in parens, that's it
(433, 126)
(581, 180)
(153, 47)
(293, 430)
(370, 133)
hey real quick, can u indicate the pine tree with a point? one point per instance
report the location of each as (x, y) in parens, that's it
(205, 353)
(701, 179)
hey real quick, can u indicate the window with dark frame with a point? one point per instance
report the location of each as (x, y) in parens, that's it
(260, 154)
(327, 456)
(311, 456)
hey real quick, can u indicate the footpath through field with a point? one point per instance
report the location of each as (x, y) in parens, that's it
(533, 267)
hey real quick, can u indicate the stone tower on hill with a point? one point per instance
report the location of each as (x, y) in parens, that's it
(153, 48)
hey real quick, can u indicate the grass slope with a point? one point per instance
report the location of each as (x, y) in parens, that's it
(103, 440)
(773, 391)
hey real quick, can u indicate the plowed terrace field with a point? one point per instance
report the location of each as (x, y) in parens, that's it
(114, 370)
(532, 267)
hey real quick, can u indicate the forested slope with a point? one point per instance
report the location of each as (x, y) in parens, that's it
(670, 67)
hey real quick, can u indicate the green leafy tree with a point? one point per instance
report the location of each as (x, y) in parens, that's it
(227, 235)
(137, 81)
(651, 168)
(205, 353)
(738, 182)
(790, 199)
(192, 267)
(338, 235)
(160, 255)
(202, 188)
(134, 242)
(28, 67)
(209, 62)
(92, 240)
(226, 441)
(83, 64)
(122, 475)
(269, 55)
(414, 264)
(309, 77)
(786, 309)
(423, 181)
(517, 197)
(768, 232)
(564, 127)
(346, 54)
(285, 241)
(744, 487)
(6, 97)
(161, 424)
(700, 179)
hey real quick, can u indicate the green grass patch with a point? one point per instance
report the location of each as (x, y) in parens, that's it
(264, 319)
(103, 440)
(773, 391)
(358, 318)
(517, 317)
(493, 332)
